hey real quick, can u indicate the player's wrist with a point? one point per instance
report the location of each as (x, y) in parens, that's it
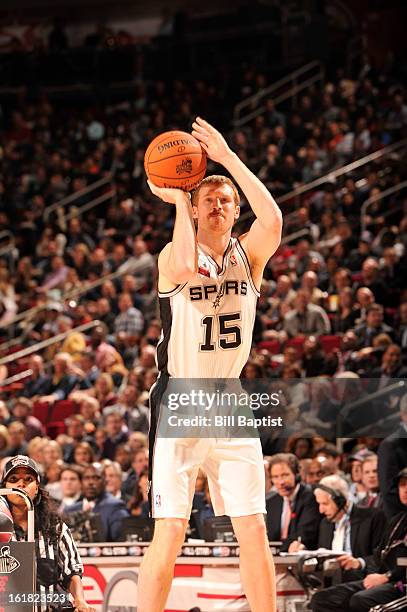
(182, 199)
(229, 159)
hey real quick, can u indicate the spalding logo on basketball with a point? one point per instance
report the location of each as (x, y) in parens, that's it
(175, 159)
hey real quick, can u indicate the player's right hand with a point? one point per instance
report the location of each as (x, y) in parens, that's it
(169, 195)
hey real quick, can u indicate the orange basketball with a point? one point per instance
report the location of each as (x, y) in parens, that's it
(175, 159)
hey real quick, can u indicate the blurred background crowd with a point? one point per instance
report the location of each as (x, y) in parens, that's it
(79, 237)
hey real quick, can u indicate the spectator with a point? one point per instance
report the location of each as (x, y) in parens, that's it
(96, 499)
(315, 471)
(62, 382)
(37, 382)
(18, 445)
(306, 318)
(370, 481)
(22, 412)
(83, 454)
(71, 486)
(117, 434)
(366, 332)
(113, 477)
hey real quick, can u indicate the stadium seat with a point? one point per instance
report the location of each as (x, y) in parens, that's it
(330, 343)
(272, 346)
(62, 410)
(41, 411)
(296, 343)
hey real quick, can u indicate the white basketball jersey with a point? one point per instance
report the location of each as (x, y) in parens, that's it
(208, 321)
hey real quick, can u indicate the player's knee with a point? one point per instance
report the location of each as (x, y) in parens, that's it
(252, 530)
(171, 532)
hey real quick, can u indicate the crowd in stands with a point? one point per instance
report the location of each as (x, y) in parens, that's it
(333, 305)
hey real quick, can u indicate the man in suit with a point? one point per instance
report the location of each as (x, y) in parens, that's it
(383, 575)
(345, 527)
(111, 510)
(393, 458)
(370, 480)
(292, 513)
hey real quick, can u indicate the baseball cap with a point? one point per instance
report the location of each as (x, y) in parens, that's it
(20, 461)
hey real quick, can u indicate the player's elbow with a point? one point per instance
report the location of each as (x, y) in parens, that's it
(273, 222)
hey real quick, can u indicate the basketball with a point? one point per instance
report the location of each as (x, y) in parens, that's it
(175, 159)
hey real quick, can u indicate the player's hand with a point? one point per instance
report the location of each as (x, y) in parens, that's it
(211, 140)
(374, 580)
(171, 196)
(347, 562)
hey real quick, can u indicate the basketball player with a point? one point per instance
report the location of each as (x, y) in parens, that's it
(207, 333)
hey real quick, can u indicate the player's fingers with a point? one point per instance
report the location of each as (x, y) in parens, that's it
(205, 124)
(201, 137)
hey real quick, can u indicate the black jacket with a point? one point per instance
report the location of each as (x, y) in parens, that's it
(392, 458)
(384, 558)
(366, 528)
(304, 521)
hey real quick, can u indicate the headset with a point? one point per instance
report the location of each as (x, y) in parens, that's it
(337, 497)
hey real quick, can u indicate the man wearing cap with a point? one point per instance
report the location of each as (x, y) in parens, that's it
(383, 582)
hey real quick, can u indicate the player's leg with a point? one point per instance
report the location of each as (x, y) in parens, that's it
(256, 562)
(237, 486)
(157, 568)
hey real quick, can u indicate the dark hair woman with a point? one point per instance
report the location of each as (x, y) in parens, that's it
(59, 567)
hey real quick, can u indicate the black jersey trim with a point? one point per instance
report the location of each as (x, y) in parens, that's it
(247, 266)
(156, 393)
(166, 322)
(177, 289)
(220, 270)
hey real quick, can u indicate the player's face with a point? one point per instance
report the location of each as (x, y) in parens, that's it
(216, 210)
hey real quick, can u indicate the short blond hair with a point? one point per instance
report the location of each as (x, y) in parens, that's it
(215, 179)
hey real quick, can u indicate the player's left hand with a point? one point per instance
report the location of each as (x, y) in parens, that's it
(374, 580)
(211, 140)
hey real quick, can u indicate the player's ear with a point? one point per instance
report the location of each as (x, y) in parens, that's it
(237, 211)
(194, 212)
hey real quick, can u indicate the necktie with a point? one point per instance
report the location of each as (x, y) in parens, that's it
(287, 518)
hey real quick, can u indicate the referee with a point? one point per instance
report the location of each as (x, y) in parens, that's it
(59, 567)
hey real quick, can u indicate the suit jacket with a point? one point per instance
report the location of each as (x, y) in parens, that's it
(392, 458)
(385, 555)
(366, 528)
(304, 521)
(111, 511)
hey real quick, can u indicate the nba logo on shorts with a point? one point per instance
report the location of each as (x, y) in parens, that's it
(158, 501)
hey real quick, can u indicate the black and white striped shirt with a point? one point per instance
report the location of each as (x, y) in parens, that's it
(57, 562)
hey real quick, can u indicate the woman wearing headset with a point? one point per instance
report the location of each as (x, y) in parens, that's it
(59, 567)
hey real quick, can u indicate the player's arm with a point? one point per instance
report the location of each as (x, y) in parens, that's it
(264, 236)
(177, 262)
